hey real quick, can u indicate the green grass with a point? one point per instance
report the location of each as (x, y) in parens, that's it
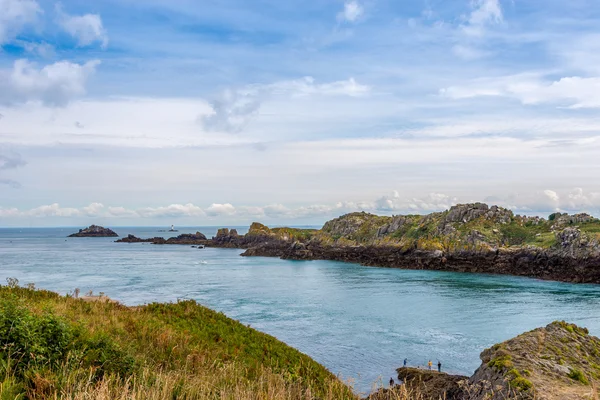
(501, 363)
(60, 346)
(578, 376)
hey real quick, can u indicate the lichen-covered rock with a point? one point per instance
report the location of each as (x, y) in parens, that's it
(559, 221)
(573, 243)
(95, 231)
(557, 362)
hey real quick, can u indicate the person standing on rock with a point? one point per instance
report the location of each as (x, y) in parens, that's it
(391, 382)
(439, 366)
(430, 364)
(405, 362)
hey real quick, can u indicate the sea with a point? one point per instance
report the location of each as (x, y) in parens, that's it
(360, 322)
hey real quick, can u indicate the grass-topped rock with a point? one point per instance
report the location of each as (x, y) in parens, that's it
(558, 362)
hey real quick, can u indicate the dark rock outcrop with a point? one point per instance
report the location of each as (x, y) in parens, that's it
(558, 362)
(186, 238)
(95, 231)
(134, 239)
(432, 384)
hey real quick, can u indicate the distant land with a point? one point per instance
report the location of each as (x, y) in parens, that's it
(466, 238)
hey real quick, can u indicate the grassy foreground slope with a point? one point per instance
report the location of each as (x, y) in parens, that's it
(61, 347)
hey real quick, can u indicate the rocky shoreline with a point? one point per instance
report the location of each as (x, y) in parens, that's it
(472, 238)
(558, 362)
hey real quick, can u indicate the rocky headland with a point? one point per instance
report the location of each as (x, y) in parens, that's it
(95, 231)
(466, 238)
(558, 362)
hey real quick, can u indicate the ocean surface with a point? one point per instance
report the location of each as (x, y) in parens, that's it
(360, 322)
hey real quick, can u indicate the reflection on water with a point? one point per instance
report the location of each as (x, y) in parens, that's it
(360, 322)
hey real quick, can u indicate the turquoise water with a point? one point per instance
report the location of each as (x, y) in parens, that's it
(360, 322)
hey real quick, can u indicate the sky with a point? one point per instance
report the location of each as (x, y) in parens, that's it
(206, 112)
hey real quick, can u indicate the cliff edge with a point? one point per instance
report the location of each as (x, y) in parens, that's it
(558, 362)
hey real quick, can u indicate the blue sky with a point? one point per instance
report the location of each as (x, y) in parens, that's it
(224, 112)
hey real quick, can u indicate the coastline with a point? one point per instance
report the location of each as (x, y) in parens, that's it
(472, 238)
(554, 362)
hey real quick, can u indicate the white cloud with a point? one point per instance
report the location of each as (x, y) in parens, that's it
(544, 201)
(42, 49)
(220, 210)
(53, 210)
(173, 210)
(429, 203)
(87, 29)
(93, 210)
(15, 15)
(232, 111)
(307, 86)
(468, 52)
(121, 212)
(531, 89)
(351, 12)
(54, 84)
(548, 201)
(485, 12)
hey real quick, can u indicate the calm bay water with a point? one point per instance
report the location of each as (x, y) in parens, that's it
(360, 322)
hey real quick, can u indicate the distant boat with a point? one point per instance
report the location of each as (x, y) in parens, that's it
(170, 230)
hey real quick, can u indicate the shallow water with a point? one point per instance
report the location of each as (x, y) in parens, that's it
(360, 322)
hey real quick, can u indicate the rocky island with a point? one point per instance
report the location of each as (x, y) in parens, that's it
(466, 238)
(95, 231)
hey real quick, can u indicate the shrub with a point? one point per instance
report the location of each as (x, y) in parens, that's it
(501, 363)
(105, 356)
(578, 376)
(521, 383)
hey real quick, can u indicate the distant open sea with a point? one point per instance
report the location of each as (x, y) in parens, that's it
(360, 322)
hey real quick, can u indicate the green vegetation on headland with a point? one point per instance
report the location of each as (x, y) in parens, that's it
(464, 227)
(62, 347)
(465, 238)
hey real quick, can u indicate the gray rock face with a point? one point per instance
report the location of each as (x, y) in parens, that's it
(468, 212)
(397, 223)
(346, 225)
(563, 220)
(576, 244)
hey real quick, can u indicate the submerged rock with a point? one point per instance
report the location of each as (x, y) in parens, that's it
(94, 231)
